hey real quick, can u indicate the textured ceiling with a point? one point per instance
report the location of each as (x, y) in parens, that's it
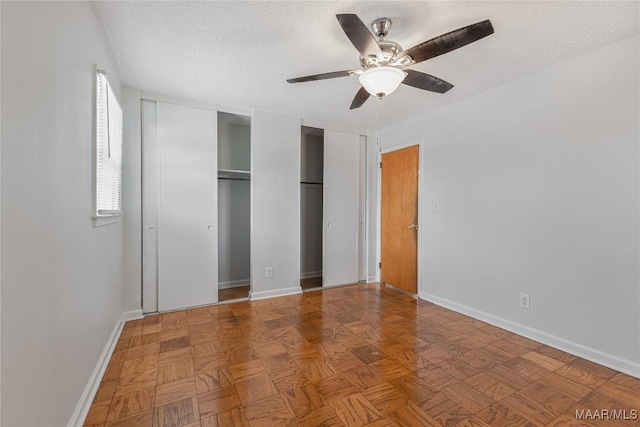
(240, 53)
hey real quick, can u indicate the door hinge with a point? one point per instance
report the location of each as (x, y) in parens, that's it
(380, 165)
(379, 265)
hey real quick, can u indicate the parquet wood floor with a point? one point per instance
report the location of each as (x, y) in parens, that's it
(355, 356)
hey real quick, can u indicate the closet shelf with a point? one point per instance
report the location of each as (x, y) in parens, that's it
(234, 174)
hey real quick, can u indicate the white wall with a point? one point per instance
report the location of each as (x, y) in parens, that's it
(275, 204)
(61, 278)
(132, 198)
(537, 182)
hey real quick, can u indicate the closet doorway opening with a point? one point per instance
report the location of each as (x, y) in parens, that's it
(311, 207)
(234, 206)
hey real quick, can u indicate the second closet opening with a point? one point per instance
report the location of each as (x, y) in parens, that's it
(311, 207)
(234, 206)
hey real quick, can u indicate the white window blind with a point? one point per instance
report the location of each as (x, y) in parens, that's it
(109, 149)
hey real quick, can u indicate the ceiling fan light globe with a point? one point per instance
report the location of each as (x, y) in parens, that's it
(381, 81)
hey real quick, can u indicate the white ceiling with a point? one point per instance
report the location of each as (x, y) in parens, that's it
(240, 53)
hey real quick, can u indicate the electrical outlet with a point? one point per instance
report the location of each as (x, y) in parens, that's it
(524, 301)
(268, 272)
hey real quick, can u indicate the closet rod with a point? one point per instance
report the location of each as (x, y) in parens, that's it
(235, 179)
(312, 183)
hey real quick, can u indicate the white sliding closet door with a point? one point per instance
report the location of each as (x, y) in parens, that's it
(187, 214)
(151, 187)
(341, 170)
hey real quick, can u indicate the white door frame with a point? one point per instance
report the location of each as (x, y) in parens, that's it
(420, 144)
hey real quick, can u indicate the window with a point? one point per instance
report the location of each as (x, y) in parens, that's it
(108, 149)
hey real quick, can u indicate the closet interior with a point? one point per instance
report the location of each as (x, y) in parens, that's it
(311, 207)
(234, 206)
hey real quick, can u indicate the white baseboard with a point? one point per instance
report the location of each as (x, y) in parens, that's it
(609, 360)
(275, 293)
(234, 284)
(90, 390)
(371, 279)
(311, 274)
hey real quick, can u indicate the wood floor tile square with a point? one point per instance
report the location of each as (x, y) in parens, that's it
(529, 409)
(472, 422)
(131, 403)
(478, 360)
(468, 397)
(551, 398)
(368, 353)
(581, 377)
(389, 368)
(414, 387)
(142, 351)
(386, 398)
(214, 379)
(325, 416)
(175, 372)
(206, 364)
(98, 413)
(255, 388)
(269, 411)
(206, 349)
(289, 378)
(436, 377)
(490, 386)
(626, 381)
(137, 366)
(242, 371)
(317, 369)
(435, 354)
(174, 344)
(140, 340)
(176, 414)
(499, 415)
(621, 393)
(526, 368)
(142, 419)
(234, 417)
(444, 410)
(217, 401)
(106, 390)
(335, 388)
(566, 386)
(356, 410)
(458, 368)
(412, 415)
(142, 380)
(363, 377)
(545, 362)
(175, 356)
(176, 390)
(509, 377)
(302, 400)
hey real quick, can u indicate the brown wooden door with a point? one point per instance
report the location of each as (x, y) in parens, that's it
(399, 218)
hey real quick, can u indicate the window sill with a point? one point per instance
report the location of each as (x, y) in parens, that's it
(99, 221)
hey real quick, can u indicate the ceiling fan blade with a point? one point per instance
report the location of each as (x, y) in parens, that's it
(449, 41)
(359, 35)
(426, 82)
(360, 98)
(323, 76)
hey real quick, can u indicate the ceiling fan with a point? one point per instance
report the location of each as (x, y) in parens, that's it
(384, 63)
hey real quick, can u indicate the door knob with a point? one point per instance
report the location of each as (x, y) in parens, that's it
(413, 227)
(210, 227)
(152, 229)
